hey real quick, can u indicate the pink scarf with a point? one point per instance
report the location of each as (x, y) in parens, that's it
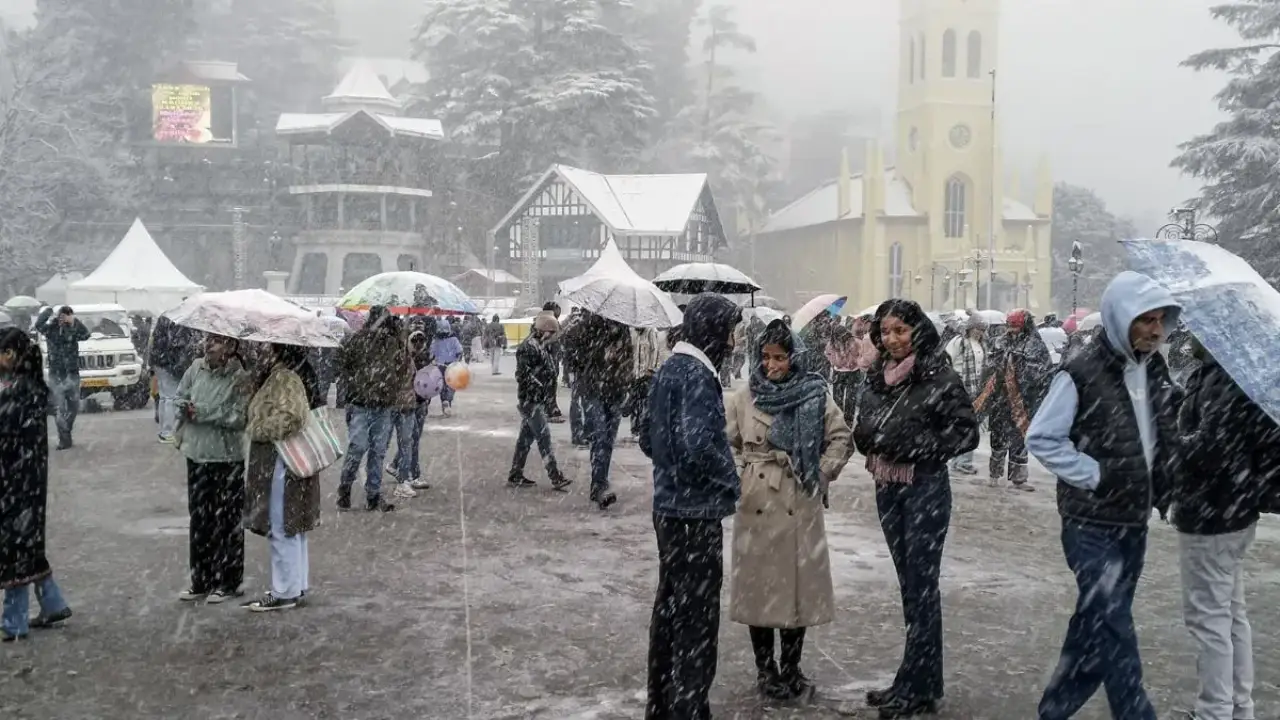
(882, 469)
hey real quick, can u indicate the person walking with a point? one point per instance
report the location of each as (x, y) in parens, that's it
(447, 350)
(1014, 383)
(968, 353)
(915, 417)
(173, 349)
(62, 336)
(407, 465)
(279, 505)
(370, 362)
(695, 486)
(535, 378)
(24, 488)
(789, 442)
(1228, 471)
(495, 341)
(602, 373)
(211, 401)
(1107, 430)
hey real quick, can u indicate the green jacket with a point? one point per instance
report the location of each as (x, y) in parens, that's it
(221, 399)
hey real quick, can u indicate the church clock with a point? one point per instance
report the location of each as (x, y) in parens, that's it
(961, 136)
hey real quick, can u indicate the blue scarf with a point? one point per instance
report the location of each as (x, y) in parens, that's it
(798, 407)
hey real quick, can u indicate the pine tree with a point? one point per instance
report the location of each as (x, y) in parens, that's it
(1079, 215)
(1239, 160)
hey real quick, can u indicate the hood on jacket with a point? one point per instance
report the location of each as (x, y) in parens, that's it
(708, 325)
(1129, 295)
(444, 329)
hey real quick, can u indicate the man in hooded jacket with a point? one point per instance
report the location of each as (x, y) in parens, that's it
(695, 486)
(1108, 431)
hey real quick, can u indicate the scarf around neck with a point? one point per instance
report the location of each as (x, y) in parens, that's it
(798, 407)
(895, 371)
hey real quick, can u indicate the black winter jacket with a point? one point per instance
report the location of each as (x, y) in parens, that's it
(535, 373)
(600, 355)
(1229, 456)
(63, 342)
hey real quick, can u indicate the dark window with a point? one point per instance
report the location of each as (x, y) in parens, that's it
(311, 277)
(358, 267)
(408, 262)
(974, 58)
(911, 73)
(954, 217)
(949, 54)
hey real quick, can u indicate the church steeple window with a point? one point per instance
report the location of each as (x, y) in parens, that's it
(949, 53)
(955, 208)
(895, 270)
(924, 63)
(974, 56)
(911, 76)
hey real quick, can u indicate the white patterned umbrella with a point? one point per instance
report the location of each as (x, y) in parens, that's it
(255, 315)
(409, 293)
(611, 289)
(694, 278)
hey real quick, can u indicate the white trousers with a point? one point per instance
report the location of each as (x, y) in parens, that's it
(290, 565)
(1214, 611)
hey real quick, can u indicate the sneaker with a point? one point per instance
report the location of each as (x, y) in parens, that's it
(390, 470)
(419, 484)
(190, 595)
(165, 439)
(560, 483)
(271, 603)
(604, 499)
(344, 501)
(404, 492)
(67, 445)
(379, 505)
(520, 481)
(48, 620)
(302, 600)
(902, 708)
(1024, 487)
(217, 597)
(447, 410)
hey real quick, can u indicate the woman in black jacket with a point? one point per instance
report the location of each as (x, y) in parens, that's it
(915, 416)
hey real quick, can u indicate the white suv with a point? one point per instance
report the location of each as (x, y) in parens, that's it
(108, 360)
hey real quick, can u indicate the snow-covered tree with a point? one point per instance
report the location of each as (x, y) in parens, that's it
(522, 84)
(1079, 215)
(1239, 160)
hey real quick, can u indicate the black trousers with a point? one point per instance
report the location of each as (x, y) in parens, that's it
(638, 403)
(792, 648)
(1007, 442)
(215, 500)
(553, 405)
(684, 632)
(846, 388)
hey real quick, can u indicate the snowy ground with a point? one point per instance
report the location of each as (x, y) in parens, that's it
(476, 601)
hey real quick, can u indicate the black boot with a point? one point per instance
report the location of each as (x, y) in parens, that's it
(878, 698)
(797, 685)
(559, 482)
(904, 708)
(604, 498)
(517, 479)
(769, 683)
(344, 499)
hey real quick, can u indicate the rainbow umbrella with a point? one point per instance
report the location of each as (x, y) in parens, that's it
(829, 304)
(409, 293)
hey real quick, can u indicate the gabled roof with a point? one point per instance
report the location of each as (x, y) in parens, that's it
(326, 123)
(393, 71)
(360, 87)
(627, 204)
(137, 263)
(498, 276)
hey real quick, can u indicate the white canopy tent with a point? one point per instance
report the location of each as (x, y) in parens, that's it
(54, 291)
(137, 275)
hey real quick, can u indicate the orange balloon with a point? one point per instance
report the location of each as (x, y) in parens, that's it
(458, 376)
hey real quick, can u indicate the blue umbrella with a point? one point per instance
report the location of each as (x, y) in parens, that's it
(1226, 304)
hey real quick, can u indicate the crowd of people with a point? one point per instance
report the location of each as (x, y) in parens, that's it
(1125, 435)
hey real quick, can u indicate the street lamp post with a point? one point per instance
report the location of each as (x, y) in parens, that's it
(1185, 227)
(976, 262)
(1076, 265)
(934, 269)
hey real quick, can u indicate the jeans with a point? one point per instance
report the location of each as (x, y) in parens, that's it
(685, 629)
(409, 426)
(290, 563)
(368, 432)
(533, 427)
(602, 419)
(66, 403)
(1101, 646)
(1214, 612)
(446, 392)
(577, 417)
(1008, 441)
(167, 385)
(215, 502)
(17, 608)
(915, 519)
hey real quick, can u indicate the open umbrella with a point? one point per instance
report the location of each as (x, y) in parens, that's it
(694, 278)
(1089, 322)
(829, 304)
(409, 293)
(255, 315)
(23, 302)
(992, 317)
(611, 289)
(1231, 310)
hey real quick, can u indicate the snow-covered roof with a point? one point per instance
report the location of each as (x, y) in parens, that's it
(821, 205)
(308, 123)
(498, 275)
(137, 263)
(361, 87)
(628, 204)
(392, 71)
(214, 70)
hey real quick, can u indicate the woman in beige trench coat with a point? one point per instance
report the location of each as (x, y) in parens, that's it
(789, 440)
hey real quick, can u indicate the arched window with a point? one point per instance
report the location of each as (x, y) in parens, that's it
(911, 74)
(895, 270)
(923, 65)
(949, 53)
(954, 214)
(975, 54)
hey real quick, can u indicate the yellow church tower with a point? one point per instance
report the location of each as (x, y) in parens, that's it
(948, 153)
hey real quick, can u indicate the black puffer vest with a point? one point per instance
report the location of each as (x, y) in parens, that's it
(1106, 429)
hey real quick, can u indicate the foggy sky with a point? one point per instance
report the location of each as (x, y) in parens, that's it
(1094, 83)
